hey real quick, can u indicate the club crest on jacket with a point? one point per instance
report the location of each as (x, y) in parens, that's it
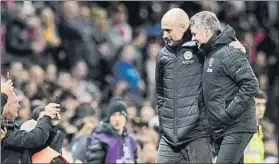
(188, 56)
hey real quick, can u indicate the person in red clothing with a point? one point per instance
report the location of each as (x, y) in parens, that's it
(48, 155)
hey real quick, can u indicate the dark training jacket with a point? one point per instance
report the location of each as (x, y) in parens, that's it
(179, 93)
(229, 86)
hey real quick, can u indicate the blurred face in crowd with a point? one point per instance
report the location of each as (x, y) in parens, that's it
(37, 75)
(132, 112)
(263, 81)
(31, 89)
(248, 39)
(261, 59)
(22, 14)
(65, 80)
(118, 121)
(84, 11)
(174, 24)
(260, 107)
(99, 16)
(19, 73)
(51, 72)
(71, 9)
(70, 104)
(80, 70)
(128, 53)
(16, 69)
(120, 17)
(24, 112)
(153, 50)
(147, 113)
(11, 108)
(47, 17)
(141, 39)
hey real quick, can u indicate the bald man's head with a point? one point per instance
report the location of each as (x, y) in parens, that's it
(177, 17)
(174, 24)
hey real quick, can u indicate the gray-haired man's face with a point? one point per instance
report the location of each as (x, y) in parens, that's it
(200, 35)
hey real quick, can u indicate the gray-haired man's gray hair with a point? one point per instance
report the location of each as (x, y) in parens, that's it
(206, 20)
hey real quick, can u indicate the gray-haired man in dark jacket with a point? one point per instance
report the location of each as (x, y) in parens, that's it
(183, 123)
(229, 87)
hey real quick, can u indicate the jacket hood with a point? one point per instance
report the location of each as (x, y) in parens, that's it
(221, 38)
(225, 37)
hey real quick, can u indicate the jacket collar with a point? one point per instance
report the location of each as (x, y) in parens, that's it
(187, 36)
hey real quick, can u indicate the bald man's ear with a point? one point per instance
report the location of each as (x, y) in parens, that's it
(184, 29)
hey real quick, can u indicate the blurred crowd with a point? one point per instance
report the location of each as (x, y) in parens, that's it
(81, 54)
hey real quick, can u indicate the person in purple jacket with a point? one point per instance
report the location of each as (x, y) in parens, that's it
(110, 141)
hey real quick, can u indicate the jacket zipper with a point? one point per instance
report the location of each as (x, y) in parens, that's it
(175, 136)
(174, 83)
(206, 102)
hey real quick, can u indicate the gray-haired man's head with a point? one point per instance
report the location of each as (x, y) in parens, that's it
(203, 26)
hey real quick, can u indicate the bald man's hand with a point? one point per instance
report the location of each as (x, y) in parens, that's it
(237, 45)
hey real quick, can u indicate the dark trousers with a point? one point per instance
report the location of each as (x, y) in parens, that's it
(230, 147)
(197, 151)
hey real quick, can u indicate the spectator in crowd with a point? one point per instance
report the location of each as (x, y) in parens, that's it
(150, 65)
(76, 34)
(269, 139)
(144, 133)
(85, 89)
(16, 139)
(111, 142)
(18, 40)
(138, 43)
(125, 71)
(51, 36)
(254, 152)
(105, 35)
(119, 22)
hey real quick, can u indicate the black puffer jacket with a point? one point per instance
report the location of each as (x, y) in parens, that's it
(229, 86)
(179, 93)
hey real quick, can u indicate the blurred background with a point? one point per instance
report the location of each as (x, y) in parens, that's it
(77, 53)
